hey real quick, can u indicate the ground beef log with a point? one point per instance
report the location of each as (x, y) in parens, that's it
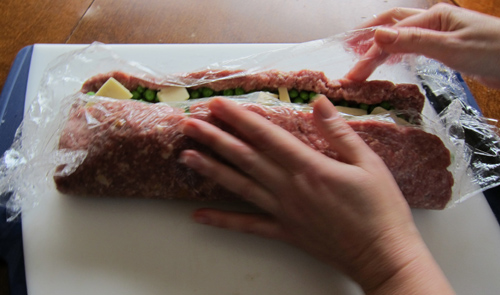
(403, 97)
(133, 149)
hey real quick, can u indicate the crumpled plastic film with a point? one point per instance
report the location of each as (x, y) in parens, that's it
(29, 165)
(465, 128)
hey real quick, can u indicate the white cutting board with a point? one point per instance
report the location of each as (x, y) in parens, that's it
(118, 246)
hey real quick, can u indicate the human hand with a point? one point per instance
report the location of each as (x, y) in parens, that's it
(350, 213)
(464, 40)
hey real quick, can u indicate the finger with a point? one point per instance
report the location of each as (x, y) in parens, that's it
(268, 138)
(341, 137)
(386, 39)
(433, 44)
(391, 16)
(373, 58)
(230, 179)
(438, 18)
(258, 224)
(237, 152)
(361, 39)
(424, 33)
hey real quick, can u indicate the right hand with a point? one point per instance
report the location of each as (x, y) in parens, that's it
(464, 40)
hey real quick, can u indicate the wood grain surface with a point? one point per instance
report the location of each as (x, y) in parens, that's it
(27, 22)
(224, 21)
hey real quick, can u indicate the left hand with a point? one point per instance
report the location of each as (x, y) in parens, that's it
(349, 213)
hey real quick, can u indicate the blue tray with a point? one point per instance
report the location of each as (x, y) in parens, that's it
(11, 114)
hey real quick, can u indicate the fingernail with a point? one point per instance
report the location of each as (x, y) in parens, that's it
(189, 128)
(216, 105)
(386, 35)
(189, 159)
(182, 159)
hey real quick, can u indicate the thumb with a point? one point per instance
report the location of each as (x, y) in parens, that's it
(411, 40)
(341, 137)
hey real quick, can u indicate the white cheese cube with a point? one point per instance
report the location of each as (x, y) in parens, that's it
(173, 93)
(114, 89)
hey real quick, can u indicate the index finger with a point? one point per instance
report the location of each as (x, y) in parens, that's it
(391, 17)
(268, 138)
(372, 59)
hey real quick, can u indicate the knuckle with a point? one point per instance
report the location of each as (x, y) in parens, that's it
(443, 7)
(247, 158)
(247, 190)
(339, 131)
(415, 35)
(397, 13)
(443, 14)
(264, 138)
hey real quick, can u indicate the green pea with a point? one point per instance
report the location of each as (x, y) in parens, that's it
(293, 93)
(195, 94)
(140, 89)
(150, 95)
(304, 95)
(386, 105)
(90, 93)
(312, 94)
(136, 94)
(298, 100)
(343, 103)
(239, 91)
(207, 92)
(364, 106)
(228, 92)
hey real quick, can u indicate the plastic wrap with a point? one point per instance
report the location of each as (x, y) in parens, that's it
(29, 165)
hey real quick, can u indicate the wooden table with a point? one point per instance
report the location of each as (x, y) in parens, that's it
(195, 21)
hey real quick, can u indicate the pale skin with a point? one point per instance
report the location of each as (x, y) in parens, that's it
(464, 40)
(349, 212)
(310, 198)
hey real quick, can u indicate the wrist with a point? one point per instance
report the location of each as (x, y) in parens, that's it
(420, 276)
(400, 264)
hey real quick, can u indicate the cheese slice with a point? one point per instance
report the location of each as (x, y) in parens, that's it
(283, 94)
(114, 89)
(397, 120)
(351, 111)
(379, 110)
(266, 98)
(173, 93)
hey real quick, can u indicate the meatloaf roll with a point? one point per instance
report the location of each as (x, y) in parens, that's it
(301, 85)
(133, 147)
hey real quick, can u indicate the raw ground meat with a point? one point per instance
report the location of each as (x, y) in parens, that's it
(133, 150)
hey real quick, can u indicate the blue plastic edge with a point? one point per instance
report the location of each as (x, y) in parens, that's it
(12, 102)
